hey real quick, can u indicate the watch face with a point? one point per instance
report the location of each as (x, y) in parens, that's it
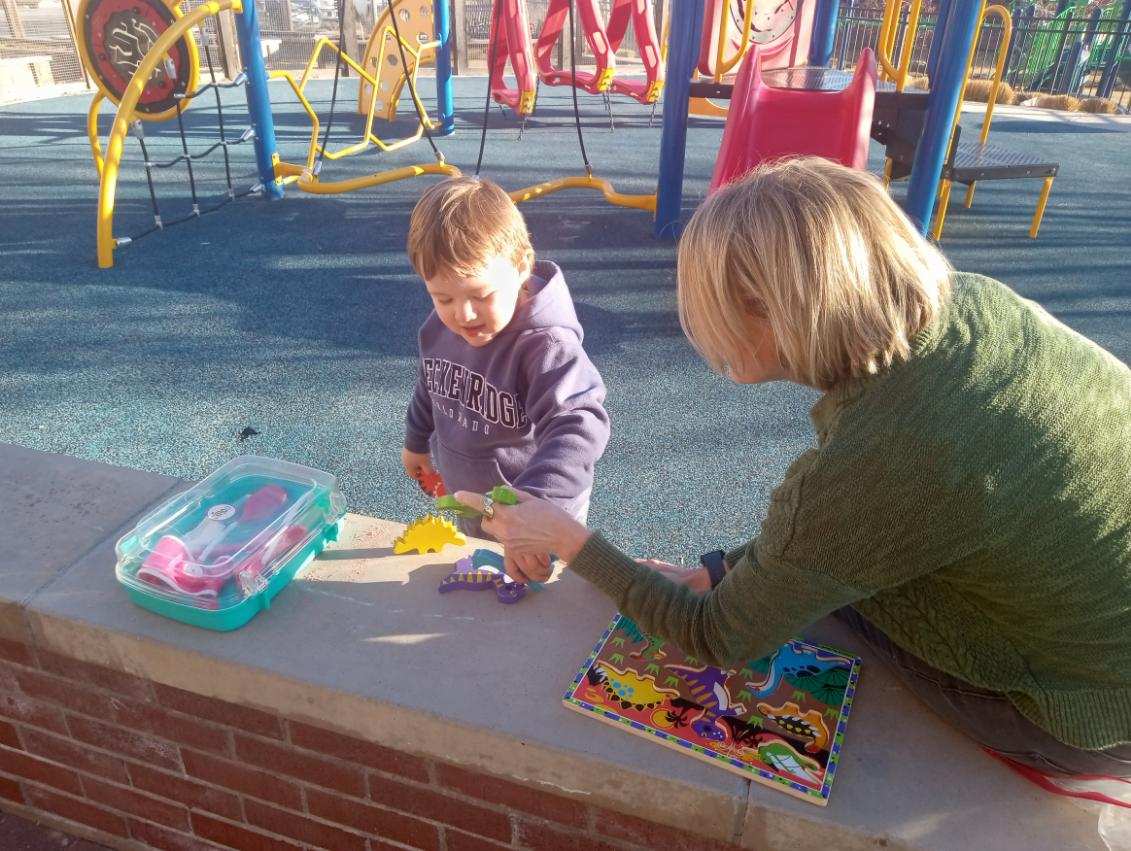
(772, 20)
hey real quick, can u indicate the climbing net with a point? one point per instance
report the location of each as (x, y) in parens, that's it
(143, 55)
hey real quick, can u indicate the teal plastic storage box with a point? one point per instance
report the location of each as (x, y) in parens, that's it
(215, 555)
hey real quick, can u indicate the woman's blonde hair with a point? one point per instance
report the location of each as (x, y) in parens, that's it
(822, 254)
(460, 225)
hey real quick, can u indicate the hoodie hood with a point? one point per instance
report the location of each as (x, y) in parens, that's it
(548, 304)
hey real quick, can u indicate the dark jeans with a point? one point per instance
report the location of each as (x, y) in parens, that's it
(987, 717)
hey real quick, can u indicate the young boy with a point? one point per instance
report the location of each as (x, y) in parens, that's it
(506, 393)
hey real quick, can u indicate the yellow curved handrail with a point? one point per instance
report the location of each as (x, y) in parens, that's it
(999, 62)
(308, 183)
(897, 70)
(722, 65)
(92, 129)
(620, 199)
(134, 89)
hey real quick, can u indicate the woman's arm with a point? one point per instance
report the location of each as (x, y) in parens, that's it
(753, 610)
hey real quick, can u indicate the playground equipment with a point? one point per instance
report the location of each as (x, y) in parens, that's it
(588, 181)
(144, 57)
(779, 29)
(967, 162)
(765, 123)
(509, 31)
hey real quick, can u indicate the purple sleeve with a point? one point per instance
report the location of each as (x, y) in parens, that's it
(419, 425)
(565, 404)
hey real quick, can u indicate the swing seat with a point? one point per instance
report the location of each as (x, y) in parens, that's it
(595, 36)
(514, 39)
(766, 124)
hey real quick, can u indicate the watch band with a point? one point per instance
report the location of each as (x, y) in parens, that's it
(715, 562)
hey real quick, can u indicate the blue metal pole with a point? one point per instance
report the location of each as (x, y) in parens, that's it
(823, 37)
(942, 105)
(683, 51)
(937, 38)
(258, 99)
(444, 102)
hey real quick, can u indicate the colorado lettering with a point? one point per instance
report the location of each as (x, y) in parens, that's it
(447, 380)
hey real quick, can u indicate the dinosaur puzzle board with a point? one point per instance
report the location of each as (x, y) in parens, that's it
(778, 721)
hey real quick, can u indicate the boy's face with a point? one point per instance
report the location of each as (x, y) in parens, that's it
(477, 308)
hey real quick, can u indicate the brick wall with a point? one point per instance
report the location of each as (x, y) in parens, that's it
(172, 769)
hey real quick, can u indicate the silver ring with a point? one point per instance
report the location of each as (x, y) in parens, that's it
(488, 507)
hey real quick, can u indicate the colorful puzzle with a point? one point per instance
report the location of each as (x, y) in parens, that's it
(778, 721)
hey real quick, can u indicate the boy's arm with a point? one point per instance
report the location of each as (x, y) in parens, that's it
(419, 424)
(565, 403)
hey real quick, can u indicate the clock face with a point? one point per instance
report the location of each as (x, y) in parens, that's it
(772, 20)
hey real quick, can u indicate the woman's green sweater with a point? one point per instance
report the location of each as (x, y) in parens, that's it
(973, 502)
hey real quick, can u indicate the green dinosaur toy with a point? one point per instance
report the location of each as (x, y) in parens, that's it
(501, 494)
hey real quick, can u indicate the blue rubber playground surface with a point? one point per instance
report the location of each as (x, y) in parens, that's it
(297, 318)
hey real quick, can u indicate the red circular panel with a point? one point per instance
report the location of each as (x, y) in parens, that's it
(118, 34)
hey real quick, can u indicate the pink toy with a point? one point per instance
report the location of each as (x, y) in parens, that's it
(199, 563)
(766, 124)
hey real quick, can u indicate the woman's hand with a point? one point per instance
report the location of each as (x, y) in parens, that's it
(695, 578)
(530, 533)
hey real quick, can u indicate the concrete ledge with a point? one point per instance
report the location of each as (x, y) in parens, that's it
(459, 689)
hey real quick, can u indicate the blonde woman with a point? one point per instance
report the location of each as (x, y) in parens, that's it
(967, 505)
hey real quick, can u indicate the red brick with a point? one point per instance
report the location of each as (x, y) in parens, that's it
(20, 764)
(444, 808)
(373, 821)
(514, 796)
(123, 741)
(17, 651)
(8, 674)
(8, 736)
(135, 803)
(250, 781)
(456, 840)
(236, 836)
(188, 792)
(221, 711)
(155, 836)
(74, 755)
(23, 708)
(76, 696)
(543, 837)
(76, 810)
(96, 675)
(10, 789)
(358, 750)
(650, 834)
(304, 829)
(185, 730)
(304, 766)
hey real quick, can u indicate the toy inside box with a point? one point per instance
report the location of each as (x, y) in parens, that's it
(216, 554)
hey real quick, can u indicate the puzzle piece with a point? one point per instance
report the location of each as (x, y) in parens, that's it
(428, 534)
(481, 570)
(501, 494)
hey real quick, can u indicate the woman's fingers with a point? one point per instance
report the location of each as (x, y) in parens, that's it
(470, 499)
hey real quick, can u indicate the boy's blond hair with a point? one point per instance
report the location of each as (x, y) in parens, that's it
(822, 254)
(460, 225)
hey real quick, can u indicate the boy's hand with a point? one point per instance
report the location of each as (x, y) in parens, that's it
(417, 464)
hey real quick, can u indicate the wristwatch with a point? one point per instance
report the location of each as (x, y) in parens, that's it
(715, 562)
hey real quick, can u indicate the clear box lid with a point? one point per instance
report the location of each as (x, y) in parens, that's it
(220, 542)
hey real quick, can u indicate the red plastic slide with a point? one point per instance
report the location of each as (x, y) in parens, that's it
(513, 45)
(768, 124)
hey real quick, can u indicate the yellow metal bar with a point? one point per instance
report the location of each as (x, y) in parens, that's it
(999, 63)
(969, 199)
(885, 40)
(92, 130)
(638, 202)
(130, 97)
(723, 66)
(888, 165)
(312, 148)
(316, 187)
(940, 213)
(908, 46)
(1039, 214)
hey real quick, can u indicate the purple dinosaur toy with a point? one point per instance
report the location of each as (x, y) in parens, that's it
(483, 569)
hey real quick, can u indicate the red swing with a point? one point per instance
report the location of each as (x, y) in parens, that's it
(509, 39)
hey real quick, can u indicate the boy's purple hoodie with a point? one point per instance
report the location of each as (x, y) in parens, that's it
(526, 410)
